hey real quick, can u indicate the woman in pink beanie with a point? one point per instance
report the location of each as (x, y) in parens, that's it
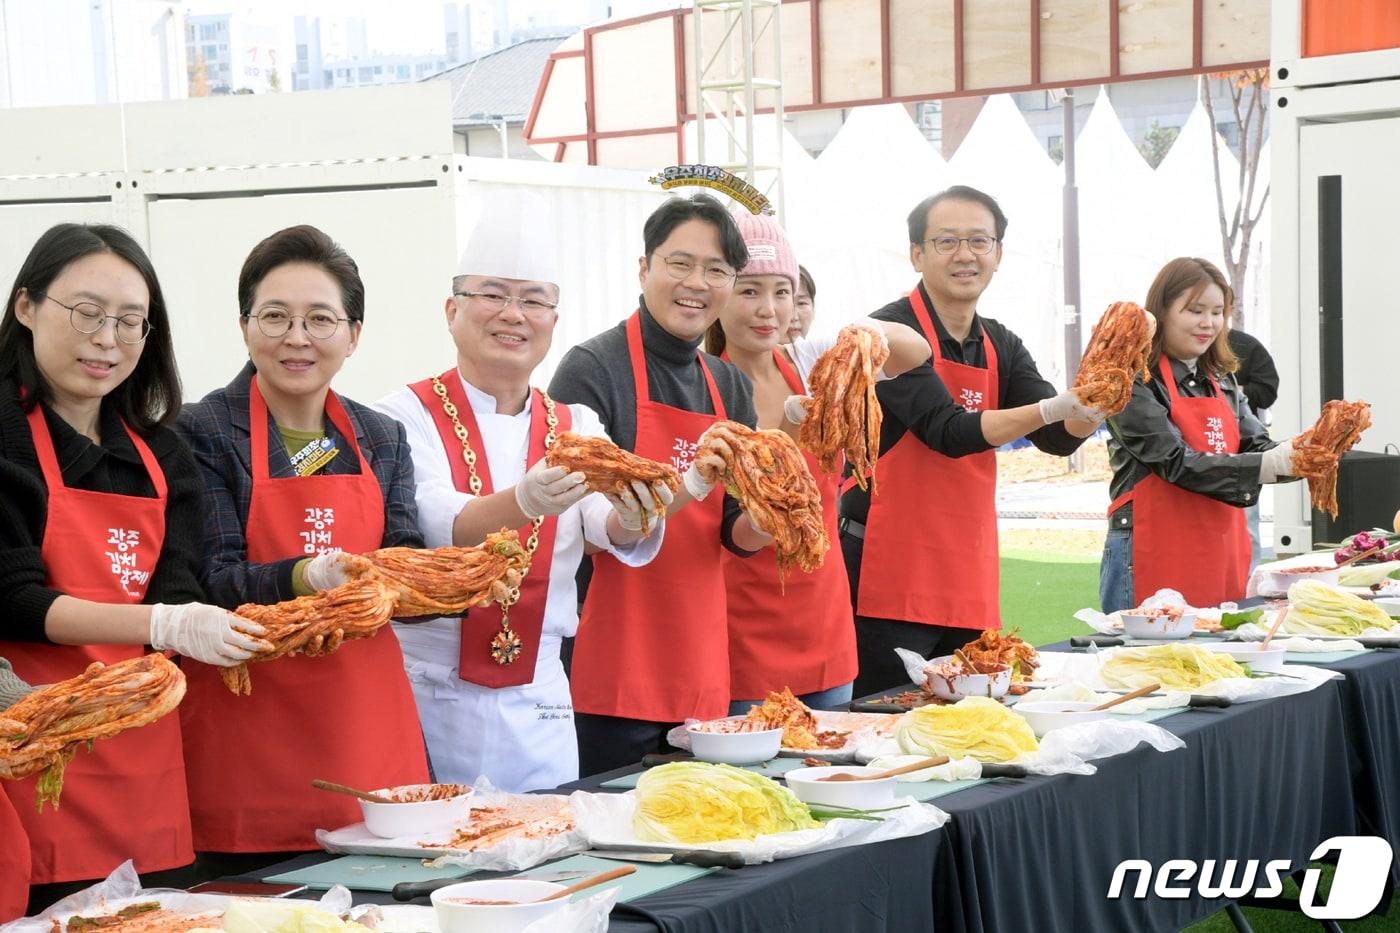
(800, 635)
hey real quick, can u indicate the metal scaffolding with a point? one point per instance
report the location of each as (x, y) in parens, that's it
(726, 87)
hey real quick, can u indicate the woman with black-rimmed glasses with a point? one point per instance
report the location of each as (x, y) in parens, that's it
(100, 530)
(294, 474)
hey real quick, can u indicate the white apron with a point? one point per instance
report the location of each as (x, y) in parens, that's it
(519, 738)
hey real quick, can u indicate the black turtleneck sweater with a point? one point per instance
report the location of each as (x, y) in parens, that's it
(598, 373)
(112, 466)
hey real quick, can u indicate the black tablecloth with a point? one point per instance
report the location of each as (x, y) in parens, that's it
(1371, 712)
(1265, 780)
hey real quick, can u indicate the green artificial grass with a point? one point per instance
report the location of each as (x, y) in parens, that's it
(1041, 592)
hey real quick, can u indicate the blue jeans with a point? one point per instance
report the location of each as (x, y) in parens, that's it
(1251, 517)
(834, 698)
(1116, 571)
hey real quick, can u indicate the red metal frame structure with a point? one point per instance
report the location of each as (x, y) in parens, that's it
(592, 135)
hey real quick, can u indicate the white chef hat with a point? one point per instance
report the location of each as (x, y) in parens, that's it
(512, 236)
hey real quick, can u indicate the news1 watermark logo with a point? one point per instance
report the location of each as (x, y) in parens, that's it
(1359, 882)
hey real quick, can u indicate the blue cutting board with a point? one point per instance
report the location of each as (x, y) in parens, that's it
(649, 877)
(367, 873)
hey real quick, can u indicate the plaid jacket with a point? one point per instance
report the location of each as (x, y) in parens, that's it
(216, 428)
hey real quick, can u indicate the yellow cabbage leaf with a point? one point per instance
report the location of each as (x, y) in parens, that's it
(975, 726)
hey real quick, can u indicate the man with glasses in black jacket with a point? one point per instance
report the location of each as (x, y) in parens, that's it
(922, 552)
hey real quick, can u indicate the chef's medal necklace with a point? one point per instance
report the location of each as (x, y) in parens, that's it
(506, 646)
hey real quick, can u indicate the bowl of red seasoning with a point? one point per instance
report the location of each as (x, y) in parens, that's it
(417, 808)
(506, 905)
(948, 679)
(1275, 581)
(1168, 624)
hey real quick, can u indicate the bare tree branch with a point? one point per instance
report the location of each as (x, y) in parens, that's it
(1215, 166)
(1237, 229)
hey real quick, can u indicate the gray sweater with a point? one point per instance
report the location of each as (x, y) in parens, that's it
(12, 689)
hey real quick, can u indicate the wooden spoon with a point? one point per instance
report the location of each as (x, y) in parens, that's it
(1274, 628)
(350, 791)
(590, 882)
(1362, 556)
(966, 663)
(1139, 692)
(902, 769)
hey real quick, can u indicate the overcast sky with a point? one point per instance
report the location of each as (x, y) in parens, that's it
(412, 26)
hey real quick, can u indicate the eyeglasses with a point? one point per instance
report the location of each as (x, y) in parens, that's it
(88, 318)
(981, 245)
(715, 276)
(276, 322)
(497, 303)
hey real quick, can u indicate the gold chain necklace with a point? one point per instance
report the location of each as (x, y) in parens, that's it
(506, 646)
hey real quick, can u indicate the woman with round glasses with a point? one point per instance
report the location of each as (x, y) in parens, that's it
(800, 634)
(101, 523)
(294, 474)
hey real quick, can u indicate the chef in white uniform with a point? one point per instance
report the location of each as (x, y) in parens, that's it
(491, 691)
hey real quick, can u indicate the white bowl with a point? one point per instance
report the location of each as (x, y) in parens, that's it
(495, 918)
(1163, 627)
(1247, 652)
(392, 820)
(735, 748)
(1047, 715)
(863, 795)
(959, 686)
(1277, 582)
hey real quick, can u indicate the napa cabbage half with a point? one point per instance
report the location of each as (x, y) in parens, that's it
(1174, 666)
(1314, 608)
(694, 801)
(975, 726)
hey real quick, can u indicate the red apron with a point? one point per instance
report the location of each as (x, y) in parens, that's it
(475, 664)
(14, 863)
(800, 635)
(348, 717)
(126, 798)
(931, 535)
(651, 643)
(1191, 543)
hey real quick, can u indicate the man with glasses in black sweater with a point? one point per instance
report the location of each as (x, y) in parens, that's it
(652, 646)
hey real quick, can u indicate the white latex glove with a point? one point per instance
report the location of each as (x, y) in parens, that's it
(205, 633)
(325, 571)
(1276, 462)
(547, 490)
(631, 504)
(1066, 407)
(793, 408)
(694, 478)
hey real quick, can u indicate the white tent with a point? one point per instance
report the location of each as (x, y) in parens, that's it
(1120, 230)
(849, 228)
(1190, 218)
(1002, 157)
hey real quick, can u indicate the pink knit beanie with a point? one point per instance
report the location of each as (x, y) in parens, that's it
(769, 252)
